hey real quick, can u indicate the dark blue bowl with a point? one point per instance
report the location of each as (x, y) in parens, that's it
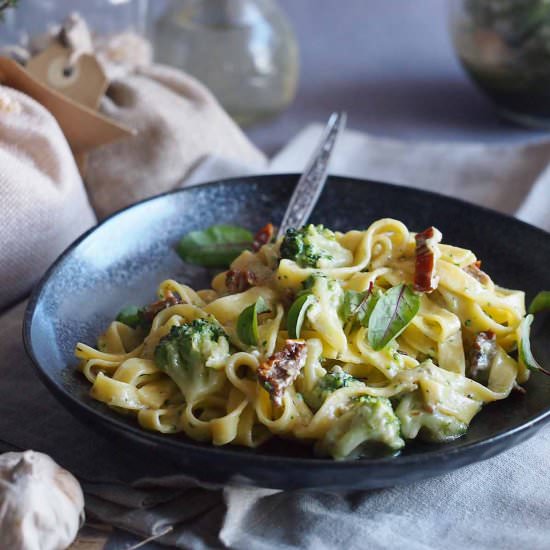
(122, 261)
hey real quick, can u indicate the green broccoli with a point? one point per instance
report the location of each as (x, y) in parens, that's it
(314, 246)
(368, 427)
(192, 355)
(131, 316)
(434, 427)
(318, 283)
(334, 380)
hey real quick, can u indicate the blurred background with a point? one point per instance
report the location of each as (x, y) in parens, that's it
(390, 64)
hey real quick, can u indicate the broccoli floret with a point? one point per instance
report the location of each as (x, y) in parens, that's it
(368, 427)
(441, 428)
(434, 427)
(332, 381)
(191, 355)
(319, 282)
(314, 246)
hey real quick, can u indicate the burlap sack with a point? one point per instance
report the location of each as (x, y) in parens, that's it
(179, 123)
(42, 199)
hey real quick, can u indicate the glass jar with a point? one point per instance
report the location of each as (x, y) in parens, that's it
(504, 45)
(32, 18)
(244, 51)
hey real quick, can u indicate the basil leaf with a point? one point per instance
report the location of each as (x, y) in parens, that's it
(216, 246)
(352, 300)
(130, 316)
(297, 313)
(365, 311)
(393, 311)
(357, 307)
(525, 354)
(540, 302)
(247, 323)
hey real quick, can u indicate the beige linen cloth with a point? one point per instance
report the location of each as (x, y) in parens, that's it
(177, 120)
(178, 123)
(38, 179)
(500, 503)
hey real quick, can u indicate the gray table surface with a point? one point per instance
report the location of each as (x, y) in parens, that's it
(390, 65)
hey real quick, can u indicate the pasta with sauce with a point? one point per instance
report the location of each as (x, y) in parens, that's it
(354, 343)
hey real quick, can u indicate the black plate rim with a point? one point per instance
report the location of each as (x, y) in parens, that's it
(149, 438)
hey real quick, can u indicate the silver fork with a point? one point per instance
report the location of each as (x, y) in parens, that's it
(309, 187)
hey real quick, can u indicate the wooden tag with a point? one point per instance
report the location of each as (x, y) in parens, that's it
(84, 128)
(84, 82)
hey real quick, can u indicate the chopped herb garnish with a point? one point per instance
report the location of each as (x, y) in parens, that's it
(247, 323)
(540, 302)
(393, 311)
(525, 354)
(357, 307)
(130, 315)
(297, 313)
(216, 246)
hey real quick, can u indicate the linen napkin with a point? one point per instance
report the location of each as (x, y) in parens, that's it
(178, 123)
(499, 503)
(38, 179)
(176, 119)
(510, 178)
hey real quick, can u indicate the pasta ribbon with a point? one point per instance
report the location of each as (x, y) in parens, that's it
(184, 369)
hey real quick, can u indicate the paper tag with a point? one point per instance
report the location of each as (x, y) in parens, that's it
(84, 81)
(84, 128)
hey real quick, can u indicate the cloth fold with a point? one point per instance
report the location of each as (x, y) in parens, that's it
(510, 178)
(178, 124)
(500, 503)
(177, 120)
(38, 179)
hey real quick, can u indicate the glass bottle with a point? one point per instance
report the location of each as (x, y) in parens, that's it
(244, 51)
(504, 45)
(33, 18)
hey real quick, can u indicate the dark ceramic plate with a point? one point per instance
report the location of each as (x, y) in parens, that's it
(122, 261)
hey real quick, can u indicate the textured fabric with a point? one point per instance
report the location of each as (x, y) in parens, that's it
(510, 178)
(178, 123)
(500, 503)
(38, 180)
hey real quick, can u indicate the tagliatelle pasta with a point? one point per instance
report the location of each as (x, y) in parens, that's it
(367, 362)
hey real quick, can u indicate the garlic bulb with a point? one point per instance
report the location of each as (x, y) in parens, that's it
(41, 504)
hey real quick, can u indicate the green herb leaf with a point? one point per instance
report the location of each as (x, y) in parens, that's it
(247, 323)
(357, 307)
(216, 246)
(297, 313)
(525, 354)
(352, 300)
(393, 311)
(540, 302)
(130, 316)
